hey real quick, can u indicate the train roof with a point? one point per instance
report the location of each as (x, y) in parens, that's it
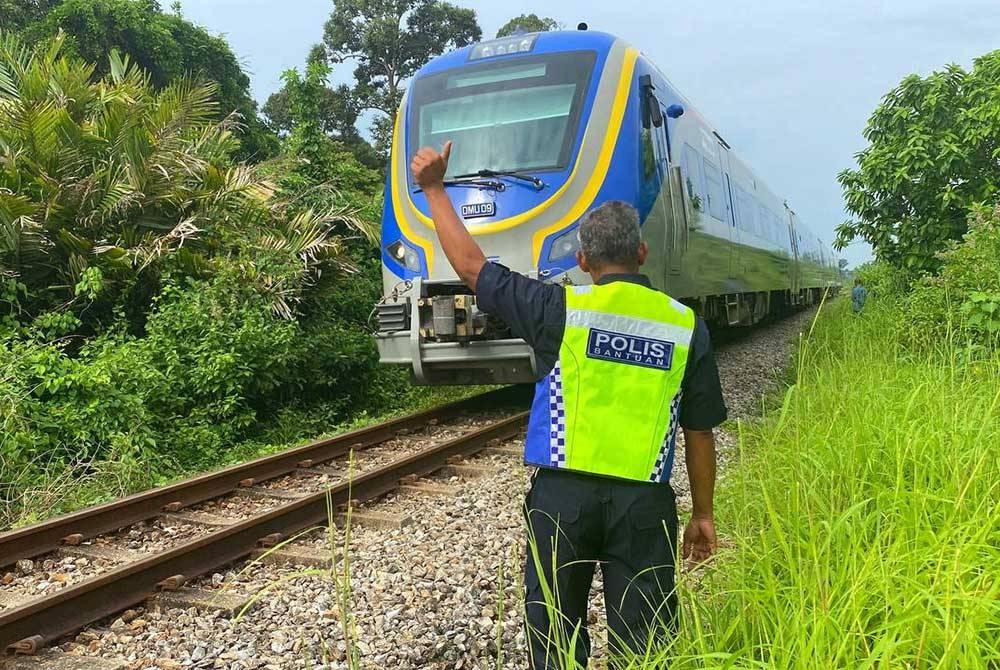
(544, 42)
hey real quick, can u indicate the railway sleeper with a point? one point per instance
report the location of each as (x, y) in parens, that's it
(259, 492)
(101, 553)
(466, 471)
(61, 661)
(293, 555)
(378, 520)
(430, 489)
(225, 601)
(504, 450)
(200, 519)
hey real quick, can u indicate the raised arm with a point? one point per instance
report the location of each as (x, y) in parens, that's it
(463, 253)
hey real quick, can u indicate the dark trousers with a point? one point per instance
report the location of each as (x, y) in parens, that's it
(576, 521)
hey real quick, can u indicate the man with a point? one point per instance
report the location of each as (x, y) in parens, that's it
(859, 294)
(616, 358)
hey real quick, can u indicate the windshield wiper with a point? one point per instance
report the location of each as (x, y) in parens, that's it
(513, 174)
(491, 184)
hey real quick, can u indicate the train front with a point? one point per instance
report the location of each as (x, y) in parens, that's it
(534, 120)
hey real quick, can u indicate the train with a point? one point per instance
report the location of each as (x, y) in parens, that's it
(545, 126)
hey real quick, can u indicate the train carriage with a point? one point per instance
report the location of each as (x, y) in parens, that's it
(545, 127)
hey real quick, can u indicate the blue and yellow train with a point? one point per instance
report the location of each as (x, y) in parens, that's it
(546, 126)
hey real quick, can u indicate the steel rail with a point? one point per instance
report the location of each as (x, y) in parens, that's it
(77, 526)
(42, 621)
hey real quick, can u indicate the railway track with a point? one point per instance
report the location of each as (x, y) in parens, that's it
(31, 625)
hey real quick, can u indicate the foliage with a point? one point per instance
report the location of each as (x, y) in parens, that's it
(961, 303)
(315, 168)
(933, 153)
(166, 46)
(17, 14)
(861, 516)
(531, 23)
(337, 115)
(390, 41)
(160, 303)
(106, 184)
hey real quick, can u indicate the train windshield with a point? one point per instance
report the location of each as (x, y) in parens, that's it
(514, 115)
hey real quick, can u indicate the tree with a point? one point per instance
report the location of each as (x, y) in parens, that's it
(337, 113)
(18, 14)
(390, 41)
(166, 46)
(336, 108)
(531, 23)
(106, 183)
(934, 152)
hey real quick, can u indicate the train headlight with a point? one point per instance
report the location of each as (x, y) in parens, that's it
(566, 244)
(503, 47)
(404, 255)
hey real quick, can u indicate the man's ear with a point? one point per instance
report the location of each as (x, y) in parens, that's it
(643, 253)
(581, 260)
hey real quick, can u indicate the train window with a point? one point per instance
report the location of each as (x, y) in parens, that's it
(503, 115)
(694, 175)
(648, 156)
(713, 180)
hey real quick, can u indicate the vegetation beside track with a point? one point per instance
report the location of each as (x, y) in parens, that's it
(165, 307)
(863, 513)
(861, 521)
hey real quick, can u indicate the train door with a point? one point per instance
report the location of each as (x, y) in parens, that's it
(794, 263)
(730, 216)
(667, 221)
(672, 197)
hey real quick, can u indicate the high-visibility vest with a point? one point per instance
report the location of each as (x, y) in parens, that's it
(610, 404)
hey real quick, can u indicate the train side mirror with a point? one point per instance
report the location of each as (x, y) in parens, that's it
(651, 113)
(655, 114)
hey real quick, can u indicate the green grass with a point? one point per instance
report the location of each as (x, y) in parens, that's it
(862, 521)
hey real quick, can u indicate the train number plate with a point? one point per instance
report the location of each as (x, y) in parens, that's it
(478, 209)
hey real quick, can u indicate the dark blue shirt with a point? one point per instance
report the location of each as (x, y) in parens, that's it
(536, 312)
(858, 296)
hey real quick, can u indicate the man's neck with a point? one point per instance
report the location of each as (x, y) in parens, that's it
(596, 275)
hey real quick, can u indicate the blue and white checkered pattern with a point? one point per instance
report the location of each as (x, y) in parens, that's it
(664, 460)
(557, 419)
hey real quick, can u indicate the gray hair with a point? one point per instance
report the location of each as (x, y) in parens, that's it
(609, 235)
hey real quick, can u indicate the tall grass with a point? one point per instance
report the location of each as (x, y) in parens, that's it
(863, 514)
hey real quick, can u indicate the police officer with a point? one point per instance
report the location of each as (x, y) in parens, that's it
(624, 365)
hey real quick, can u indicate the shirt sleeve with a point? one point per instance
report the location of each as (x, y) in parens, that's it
(702, 405)
(534, 311)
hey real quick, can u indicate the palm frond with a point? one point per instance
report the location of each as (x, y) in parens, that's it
(180, 233)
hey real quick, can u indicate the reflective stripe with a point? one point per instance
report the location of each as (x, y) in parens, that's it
(679, 307)
(628, 325)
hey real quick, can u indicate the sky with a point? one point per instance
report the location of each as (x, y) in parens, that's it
(788, 83)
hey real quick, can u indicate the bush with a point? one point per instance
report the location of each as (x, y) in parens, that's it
(961, 303)
(862, 515)
(172, 310)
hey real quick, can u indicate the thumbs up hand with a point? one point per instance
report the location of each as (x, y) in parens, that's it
(429, 167)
